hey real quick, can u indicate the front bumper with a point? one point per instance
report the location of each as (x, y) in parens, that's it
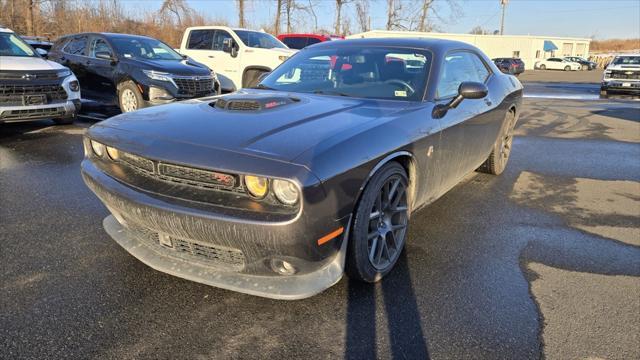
(620, 86)
(215, 242)
(67, 109)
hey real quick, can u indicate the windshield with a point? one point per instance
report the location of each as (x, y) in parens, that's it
(627, 60)
(12, 45)
(261, 40)
(144, 48)
(375, 72)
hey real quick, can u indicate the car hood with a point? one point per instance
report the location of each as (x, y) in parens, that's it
(181, 67)
(27, 63)
(286, 126)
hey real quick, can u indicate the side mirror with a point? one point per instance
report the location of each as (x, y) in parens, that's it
(42, 52)
(104, 55)
(466, 90)
(262, 76)
(229, 46)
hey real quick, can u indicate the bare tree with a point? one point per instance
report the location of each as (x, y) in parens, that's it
(424, 12)
(479, 30)
(362, 15)
(179, 8)
(394, 15)
(240, 4)
(278, 13)
(338, 23)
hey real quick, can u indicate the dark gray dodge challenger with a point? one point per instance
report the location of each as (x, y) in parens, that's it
(276, 191)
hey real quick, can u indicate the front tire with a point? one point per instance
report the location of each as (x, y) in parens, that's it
(129, 97)
(380, 225)
(604, 94)
(65, 121)
(497, 160)
(567, 68)
(251, 78)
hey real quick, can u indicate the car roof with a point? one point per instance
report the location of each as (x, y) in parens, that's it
(5, 30)
(109, 35)
(437, 45)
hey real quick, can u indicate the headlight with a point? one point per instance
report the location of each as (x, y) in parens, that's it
(74, 86)
(157, 75)
(256, 185)
(214, 76)
(285, 191)
(98, 148)
(113, 153)
(64, 73)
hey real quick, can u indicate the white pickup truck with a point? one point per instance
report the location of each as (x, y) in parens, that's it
(622, 75)
(238, 56)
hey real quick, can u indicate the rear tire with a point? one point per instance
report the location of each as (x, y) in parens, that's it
(129, 97)
(585, 67)
(380, 225)
(543, 67)
(567, 68)
(499, 157)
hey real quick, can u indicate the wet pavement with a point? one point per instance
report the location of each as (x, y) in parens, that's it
(541, 261)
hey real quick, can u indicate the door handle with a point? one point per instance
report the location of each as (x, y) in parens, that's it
(488, 102)
(211, 56)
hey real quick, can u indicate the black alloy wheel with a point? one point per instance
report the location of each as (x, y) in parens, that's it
(380, 225)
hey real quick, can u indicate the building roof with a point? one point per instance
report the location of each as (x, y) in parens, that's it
(390, 33)
(408, 42)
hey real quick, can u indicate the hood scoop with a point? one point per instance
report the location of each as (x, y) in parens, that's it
(252, 103)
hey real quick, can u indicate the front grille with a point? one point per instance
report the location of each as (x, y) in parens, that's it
(625, 74)
(189, 250)
(196, 176)
(25, 114)
(190, 86)
(12, 94)
(137, 162)
(29, 75)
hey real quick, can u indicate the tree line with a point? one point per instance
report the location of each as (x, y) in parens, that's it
(53, 18)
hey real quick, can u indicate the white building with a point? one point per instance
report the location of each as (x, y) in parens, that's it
(529, 48)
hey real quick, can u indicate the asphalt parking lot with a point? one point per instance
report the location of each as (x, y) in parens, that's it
(543, 261)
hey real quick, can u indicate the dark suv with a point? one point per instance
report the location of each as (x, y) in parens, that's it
(513, 66)
(132, 71)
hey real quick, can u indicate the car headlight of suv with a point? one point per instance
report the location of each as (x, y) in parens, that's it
(157, 75)
(98, 148)
(286, 192)
(63, 73)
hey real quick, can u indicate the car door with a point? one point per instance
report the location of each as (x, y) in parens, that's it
(226, 64)
(74, 56)
(101, 72)
(199, 47)
(469, 130)
(556, 64)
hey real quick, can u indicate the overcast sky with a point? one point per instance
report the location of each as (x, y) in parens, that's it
(603, 19)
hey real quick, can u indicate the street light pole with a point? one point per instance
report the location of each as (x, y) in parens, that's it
(503, 3)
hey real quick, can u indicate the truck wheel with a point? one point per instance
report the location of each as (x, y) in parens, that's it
(603, 93)
(380, 225)
(567, 68)
(497, 160)
(129, 97)
(251, 77)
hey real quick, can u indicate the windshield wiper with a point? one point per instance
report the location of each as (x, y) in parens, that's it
(330, 92)
(263, 87)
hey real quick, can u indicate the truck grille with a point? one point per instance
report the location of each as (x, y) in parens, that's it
(29, 75)
(625, 74)
(191, 86)
(11, 94)
(208, 254)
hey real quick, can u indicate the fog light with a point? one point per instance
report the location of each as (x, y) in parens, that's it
(98, 148)
(74, 86)
(256, 185)
(283, 267)
(156, 93)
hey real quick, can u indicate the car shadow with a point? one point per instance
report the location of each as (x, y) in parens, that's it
(404, 327)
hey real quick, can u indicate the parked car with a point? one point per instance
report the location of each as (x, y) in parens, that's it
(300, 41)
(272, 191)
(132, 71)
(586, 64)
(622, 75)
(33, 88)
(38, 42)
(239, 56)
(557, 64)
(513, 66)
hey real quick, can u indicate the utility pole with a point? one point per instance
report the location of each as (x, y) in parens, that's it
(503, 3)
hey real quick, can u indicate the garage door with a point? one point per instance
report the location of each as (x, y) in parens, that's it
(580, 49)
(567, 49)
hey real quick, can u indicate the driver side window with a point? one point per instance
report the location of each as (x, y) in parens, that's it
(458, 67)
(99, 45)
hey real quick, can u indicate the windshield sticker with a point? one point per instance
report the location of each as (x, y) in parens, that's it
(401, 93)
